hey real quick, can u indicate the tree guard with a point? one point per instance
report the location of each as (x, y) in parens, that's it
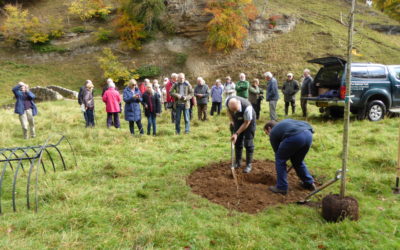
(32, 155)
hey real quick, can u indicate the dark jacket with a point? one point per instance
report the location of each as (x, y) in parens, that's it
(152, 103)
(285, 129)
(81, 95)
(307, 87)
(204, 90)
(272, 90)
(19, 105)
(132, 105)
(289, 90)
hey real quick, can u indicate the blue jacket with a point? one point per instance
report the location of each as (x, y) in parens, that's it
(19, 105)
(272, 90)
(132, 105)
(285, 129)
(216, 93)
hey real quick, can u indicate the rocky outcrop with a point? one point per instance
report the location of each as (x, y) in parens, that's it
(45, 94)
(189, 18)
(67, 93)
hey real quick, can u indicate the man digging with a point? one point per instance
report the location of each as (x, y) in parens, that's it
(290, 139)
(243, 122)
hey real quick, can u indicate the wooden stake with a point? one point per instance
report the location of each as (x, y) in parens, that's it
(345, 153)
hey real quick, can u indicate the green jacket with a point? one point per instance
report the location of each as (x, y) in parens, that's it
(187, 93)
(254, 93)
(242, 89)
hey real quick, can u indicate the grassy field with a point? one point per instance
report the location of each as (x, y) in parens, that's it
(130, 192)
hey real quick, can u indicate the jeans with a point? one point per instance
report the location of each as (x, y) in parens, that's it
(151, 122)
(110, 121)
(216, 106)
(180, 108)
(294, 148)
(132, 127)
(26, 120)
(89, 117)
(272, 110)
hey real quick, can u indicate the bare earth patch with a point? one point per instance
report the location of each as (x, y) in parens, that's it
(215, 183)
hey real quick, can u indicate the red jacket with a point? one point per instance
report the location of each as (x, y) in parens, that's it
(168, 88)
(142, 88)
(112, 99)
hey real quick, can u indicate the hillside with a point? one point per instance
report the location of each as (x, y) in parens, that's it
(318, 32)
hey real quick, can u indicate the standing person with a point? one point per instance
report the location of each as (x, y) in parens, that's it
(164, 93)
(243, 126)
(132, 98)
(142, 86)
(290, 140)
(229, 87)
(272, 95)
(254, 95)
(88, 103)
(152, 108)
(201, 92)
(80, 101)
(306, 90)
(112, 99)
(242, 86)
(182, 92)
(25, 108)
(171, 99)
(289, 90)
(158, 90)
(216, 96)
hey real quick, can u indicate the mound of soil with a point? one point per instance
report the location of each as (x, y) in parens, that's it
(216, 183)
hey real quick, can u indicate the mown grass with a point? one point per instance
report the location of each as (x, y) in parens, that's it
(131, 192)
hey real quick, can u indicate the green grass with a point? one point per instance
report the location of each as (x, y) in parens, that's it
(131, 192)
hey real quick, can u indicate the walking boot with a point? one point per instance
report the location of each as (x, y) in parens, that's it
(247, 169)
(276, 190)
(249, 159)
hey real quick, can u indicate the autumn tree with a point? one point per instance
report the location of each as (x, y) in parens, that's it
(390, 7)
(229, 26)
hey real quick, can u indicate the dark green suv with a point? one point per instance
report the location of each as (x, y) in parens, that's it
(375, 88)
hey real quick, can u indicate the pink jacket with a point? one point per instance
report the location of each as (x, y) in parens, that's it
(112, 99)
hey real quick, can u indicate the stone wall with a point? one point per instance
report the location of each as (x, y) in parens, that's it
(45, 94)
(67, 93)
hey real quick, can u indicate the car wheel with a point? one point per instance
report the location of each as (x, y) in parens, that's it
(376, 110)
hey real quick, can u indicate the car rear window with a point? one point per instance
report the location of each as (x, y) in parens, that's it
(359, 72)
(376, 72)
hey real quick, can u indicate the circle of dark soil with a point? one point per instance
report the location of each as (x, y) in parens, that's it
(216, 183)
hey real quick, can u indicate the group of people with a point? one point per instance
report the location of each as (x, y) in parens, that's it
(290, 139)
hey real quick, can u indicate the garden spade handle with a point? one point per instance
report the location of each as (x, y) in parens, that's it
(233, 165)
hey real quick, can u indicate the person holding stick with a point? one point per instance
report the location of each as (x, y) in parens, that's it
(243, 126)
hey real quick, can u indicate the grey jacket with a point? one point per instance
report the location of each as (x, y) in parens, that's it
(203, 90)
(307, 87)
(290, 89)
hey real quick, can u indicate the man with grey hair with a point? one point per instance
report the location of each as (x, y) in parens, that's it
(243, 127)
(242, 86)
(182, 92)
(201, 92)
(289, 89)
(272, 95)
(229, 87)
(306, 90)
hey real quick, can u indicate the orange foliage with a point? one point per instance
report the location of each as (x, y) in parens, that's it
(130, 32)
(228, 28)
